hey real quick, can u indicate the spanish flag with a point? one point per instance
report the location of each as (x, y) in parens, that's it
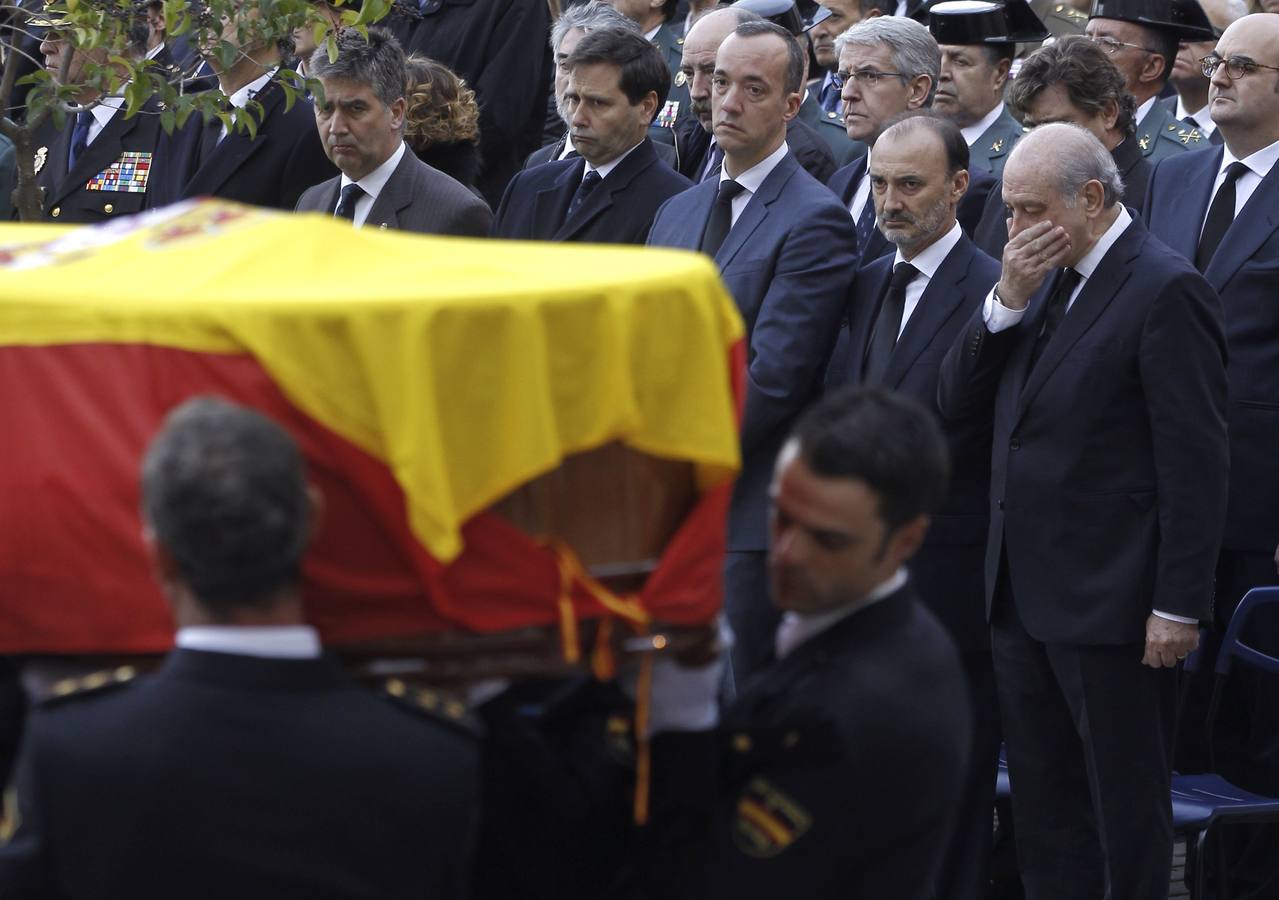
(425, 379)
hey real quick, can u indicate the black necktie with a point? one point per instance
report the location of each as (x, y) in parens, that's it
(714, 162)
(350, 196)
(721, 219)
(1220, 214)
(79, 137)
(1054, 312)
(883, 337)
(584, 190)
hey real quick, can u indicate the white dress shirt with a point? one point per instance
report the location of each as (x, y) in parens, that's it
(373, 183)
(973, 132)
(796, 628)
(927, 262)
(608, 166)
(861, 196)
(274, 641)
(1144, 110)
(999, 317)
(1259, 165)
(102, 114)
(752, 178)
(241, 98)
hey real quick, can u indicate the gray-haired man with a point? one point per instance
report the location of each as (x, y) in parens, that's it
(361, 124)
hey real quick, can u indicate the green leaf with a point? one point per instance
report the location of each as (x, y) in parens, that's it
(168, 119)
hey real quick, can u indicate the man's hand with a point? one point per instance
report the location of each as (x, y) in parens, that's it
(1028, 258)
(1168, 642)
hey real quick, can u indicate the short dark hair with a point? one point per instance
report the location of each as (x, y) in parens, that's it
(885, 439)
(224, 492)
(794, 54)
(997, 53)
(1090, 78)
(948, 132)
(643, 71)
(1166, 44)
(377, 62)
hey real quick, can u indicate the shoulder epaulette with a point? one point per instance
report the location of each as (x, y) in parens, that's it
(433, 704)
(93, 683)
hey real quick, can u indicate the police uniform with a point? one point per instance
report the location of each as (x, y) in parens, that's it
(671, 44)
(831, 128)
(1160, 134)
(112, 176)
(990, 151)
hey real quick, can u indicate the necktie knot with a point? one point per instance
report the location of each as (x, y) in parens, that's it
(350, 196)
(728, 189)
(584, 190)
(1233, 171)
(903, 274)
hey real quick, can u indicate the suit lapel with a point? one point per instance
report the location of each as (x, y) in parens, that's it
(394, 196)
(1189, 197)
(550, 204)
(850, 189)
(940, 298)
(1253, 226)
(235, 148)
(637, 161)
(862, 319)
(756, 210)
(1097, 292)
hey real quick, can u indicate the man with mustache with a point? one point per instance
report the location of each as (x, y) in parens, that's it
(903, 313)
(361, 123)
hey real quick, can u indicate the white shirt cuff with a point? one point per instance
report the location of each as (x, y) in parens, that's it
(997, 316)
(1171, 618)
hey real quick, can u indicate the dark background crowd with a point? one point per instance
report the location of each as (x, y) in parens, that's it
(1008, 274)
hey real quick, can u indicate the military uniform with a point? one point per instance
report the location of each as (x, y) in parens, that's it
(113, 176)
(831, 128)
(990, 151)
(1161, 134)
(671, 44)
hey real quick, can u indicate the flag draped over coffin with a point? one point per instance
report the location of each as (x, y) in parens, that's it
(425, 378)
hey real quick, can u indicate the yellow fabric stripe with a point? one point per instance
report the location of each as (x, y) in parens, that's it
(469, 367)
(765, 821)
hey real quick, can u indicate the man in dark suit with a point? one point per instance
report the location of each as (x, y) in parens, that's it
(699, 155)
(1217, 209)
(1072, 80)
(99, 164)
(903, 313)
(617, 79)
(270, 168)
(249, 765)
(361, 123)
(785, 250)
(1103, 354)
(840, 763)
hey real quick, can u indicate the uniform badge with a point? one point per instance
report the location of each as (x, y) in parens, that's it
(681, 78)
(670, 112)
(1191, 135)
(128, 174)
(1144, 142)
(998, 146)
(1172, 126)
(767, 820)
(42, 154)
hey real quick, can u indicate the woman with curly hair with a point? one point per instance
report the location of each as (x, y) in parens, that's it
(442, 123)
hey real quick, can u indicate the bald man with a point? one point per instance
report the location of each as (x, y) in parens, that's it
(1103, 354)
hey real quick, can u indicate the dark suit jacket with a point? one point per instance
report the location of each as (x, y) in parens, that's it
(844, 184)
(692, 143)
(551, 153)
(620, 211)
(837, 769)
(1245, 273)
(787, 262)
(948, 571)
(238, 776)
(991, 231)
(79, 195)
(272, 169)
(1108, 474)
(415, 198)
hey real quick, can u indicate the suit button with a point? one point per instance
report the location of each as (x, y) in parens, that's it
(999, 503)
(57, 211)
(1014, 444)
(741, 743)
(108, 208)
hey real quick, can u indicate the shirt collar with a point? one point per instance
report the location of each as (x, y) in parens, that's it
(652, 35)
(610, 166)
(977, 129)
(106, 109)
(806, 626)
(753, 177)
(241, 98)
(373, 182)
(1093, 257)
(1202, 117)
(929, 260)
(154, 51)
(276, 641)
(1144, 110)
(1260, 163)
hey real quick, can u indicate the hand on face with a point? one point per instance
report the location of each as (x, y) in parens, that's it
(1029, 256)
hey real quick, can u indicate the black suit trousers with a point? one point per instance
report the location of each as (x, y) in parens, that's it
(1088, 732)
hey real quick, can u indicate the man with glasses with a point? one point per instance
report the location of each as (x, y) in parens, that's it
(1190, 105)
(1218, 209)
(888, 66)
(1142, 38)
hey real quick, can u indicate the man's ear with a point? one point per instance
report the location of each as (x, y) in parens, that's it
(907, 539)
(398, 110)
(920, 87)
(959, 184)
(793, 103)
(648, 105)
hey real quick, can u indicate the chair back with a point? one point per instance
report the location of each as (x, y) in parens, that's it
(1233, 647)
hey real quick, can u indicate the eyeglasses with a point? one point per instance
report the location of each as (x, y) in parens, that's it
(865, 78)
(1236, 66)
(1113, 46)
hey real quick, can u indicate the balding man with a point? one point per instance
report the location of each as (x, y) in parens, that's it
(1218, 209)
(1142, 40)
(700, 156)
(1190, 105)
(1102, 351)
